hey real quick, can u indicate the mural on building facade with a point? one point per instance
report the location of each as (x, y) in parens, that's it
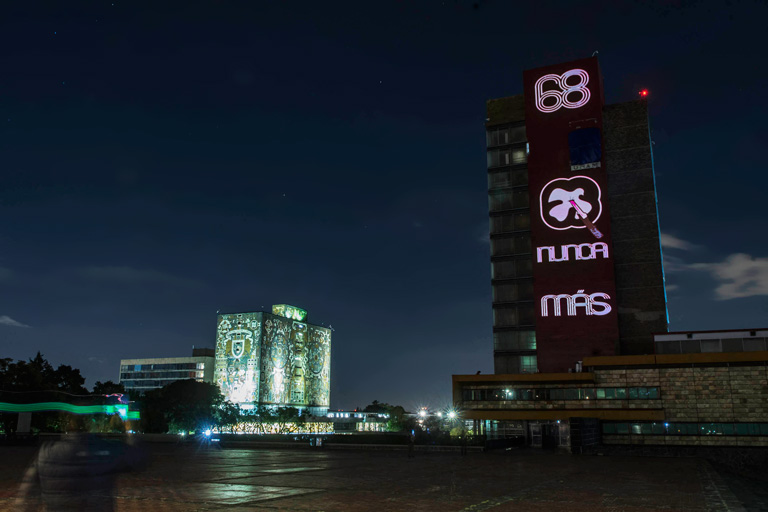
(273, 360)
(238, 356)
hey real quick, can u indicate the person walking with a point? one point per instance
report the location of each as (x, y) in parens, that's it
(77, 472)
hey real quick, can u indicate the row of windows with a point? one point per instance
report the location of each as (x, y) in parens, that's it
(509, 200)
(510, 222)
(514, 340)
(511, 245)
(177, 375)
(163, 366)
(486, 395)
(687, 429)
(719, 345)
(503, 363)
(510, 291)
(510, 315)
(507, 135)
(511, 269)
(130, 384)
(507, 156)
(505, 178)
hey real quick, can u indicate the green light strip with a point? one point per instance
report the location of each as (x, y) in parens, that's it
(122, 410)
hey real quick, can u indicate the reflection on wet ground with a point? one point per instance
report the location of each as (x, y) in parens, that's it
(186, 478)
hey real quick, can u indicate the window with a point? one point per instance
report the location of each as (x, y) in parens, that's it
(505, 340)
(502, 269)
(505, 292)
(523, 268)
(585, 148)
(527, 340)
(507, 178)
(502, 224)
(498, 201)
(506, 135)
(505, 315)
(502, 247)
(506, 156)
(524, 394)
(754, 344)
(525, 314)
(522, 221)
(528, 364)
(522, 244)
(514, 340)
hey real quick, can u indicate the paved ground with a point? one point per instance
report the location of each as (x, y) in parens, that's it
(189, 478)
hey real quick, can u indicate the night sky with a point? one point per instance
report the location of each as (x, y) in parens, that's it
(161, 161)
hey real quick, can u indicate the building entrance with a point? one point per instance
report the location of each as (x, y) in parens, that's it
(549, 434)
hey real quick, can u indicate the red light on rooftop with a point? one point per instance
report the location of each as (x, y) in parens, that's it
(643, 93)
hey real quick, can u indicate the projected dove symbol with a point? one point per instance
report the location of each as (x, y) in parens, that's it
(571, 203)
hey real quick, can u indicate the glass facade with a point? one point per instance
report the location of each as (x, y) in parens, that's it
(685, 429)
(511, 259)
(152, 375)
(691, 346)
(549, 394)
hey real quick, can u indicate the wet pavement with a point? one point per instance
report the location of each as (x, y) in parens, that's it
(191, 478)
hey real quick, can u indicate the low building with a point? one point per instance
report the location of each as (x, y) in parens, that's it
(152, 373)
(358, 421)
(699, 395)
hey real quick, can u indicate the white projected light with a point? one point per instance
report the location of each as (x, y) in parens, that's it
(561, 96)
(577, 300)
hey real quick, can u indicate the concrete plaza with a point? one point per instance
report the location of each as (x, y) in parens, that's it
(196, 478)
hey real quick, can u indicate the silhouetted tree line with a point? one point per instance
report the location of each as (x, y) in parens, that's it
(181, 406)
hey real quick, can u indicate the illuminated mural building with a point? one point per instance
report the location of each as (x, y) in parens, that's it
(274, 359)
(582, 355)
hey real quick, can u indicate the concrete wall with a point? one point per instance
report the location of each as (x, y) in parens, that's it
(634, 226)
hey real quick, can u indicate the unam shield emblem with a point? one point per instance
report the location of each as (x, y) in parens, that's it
(238, 347)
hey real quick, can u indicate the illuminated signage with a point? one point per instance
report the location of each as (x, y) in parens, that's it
(557, 99)
(577, 300)
(585, 251)
(573, 276)
(566, 199)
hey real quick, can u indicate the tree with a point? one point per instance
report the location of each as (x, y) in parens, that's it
(107, 388)
(36, 381)
(396, 414)
(186, 405)
(377, 407)
(68, 379)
